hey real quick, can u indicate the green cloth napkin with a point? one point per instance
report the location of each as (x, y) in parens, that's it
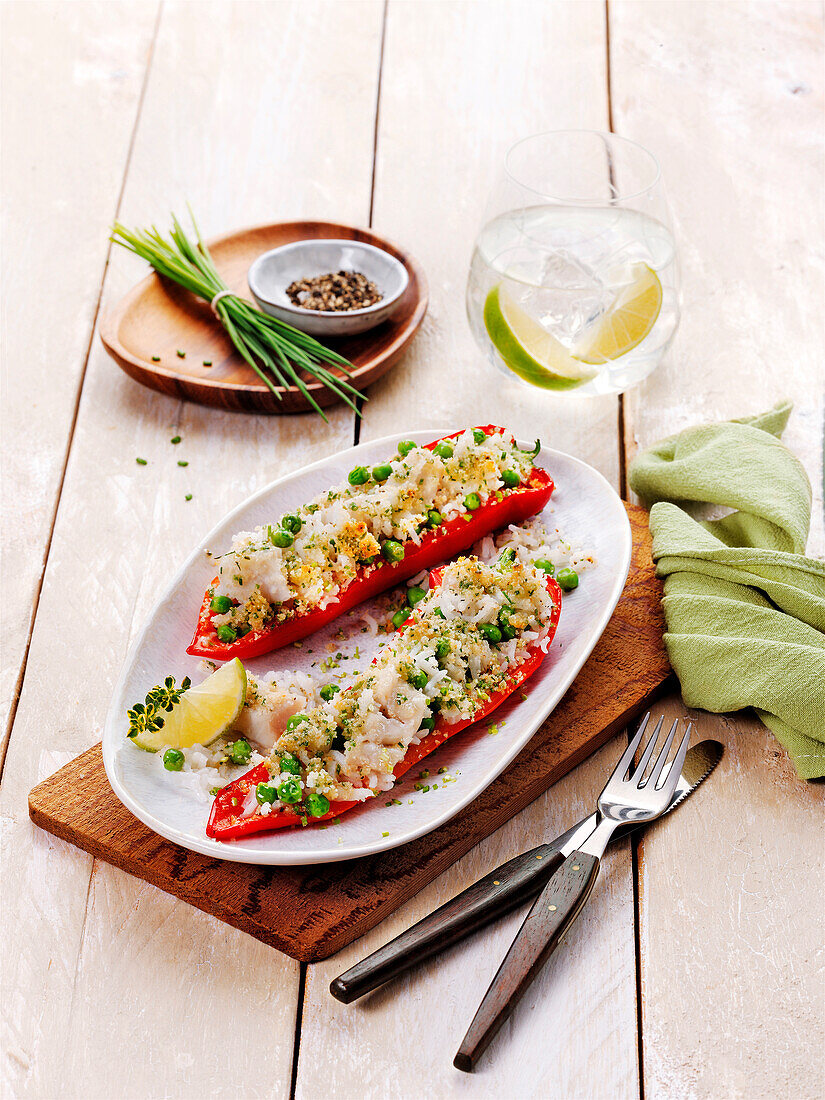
(745, 609)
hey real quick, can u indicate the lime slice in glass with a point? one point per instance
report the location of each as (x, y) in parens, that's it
(630, 320)
(202, 713)
(527, 348)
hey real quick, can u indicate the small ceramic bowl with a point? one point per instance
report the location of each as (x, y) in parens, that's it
(274, 271)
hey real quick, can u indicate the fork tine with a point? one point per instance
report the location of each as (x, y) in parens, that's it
(662, 757)
(669, 785)
(630, 751)
(639, 771)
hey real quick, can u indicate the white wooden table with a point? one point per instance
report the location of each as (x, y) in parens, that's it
(697, 969)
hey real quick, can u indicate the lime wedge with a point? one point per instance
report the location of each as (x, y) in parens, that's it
(528, 349)
(624, 326)
(202, 713)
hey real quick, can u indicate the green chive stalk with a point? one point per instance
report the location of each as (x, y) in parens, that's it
(275, 350)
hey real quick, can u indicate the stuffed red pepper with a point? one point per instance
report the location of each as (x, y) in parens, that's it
(478, 634)
(285, 580)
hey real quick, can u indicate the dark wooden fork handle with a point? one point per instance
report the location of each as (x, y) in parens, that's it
(493, 896)
(544, 927)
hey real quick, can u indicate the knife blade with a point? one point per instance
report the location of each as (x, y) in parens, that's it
(498, 893)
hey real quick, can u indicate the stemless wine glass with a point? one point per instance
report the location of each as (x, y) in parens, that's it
(574, 283)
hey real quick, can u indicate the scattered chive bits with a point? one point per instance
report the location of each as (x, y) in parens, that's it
(207, 362)
(181, 354)
(175, 439)
(188, 496)
(141, 462)
(155, 358)
(182, 462)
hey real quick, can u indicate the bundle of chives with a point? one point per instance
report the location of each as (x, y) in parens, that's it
(274, 349)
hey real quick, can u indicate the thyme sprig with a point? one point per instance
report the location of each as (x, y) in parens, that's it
(276, 351)
(148, 717)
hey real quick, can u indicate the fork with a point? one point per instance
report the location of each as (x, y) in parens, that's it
(625, 799)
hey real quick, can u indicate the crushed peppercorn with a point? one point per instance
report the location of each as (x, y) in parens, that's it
(334, 292)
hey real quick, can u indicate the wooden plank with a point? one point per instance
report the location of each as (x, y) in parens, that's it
(725, 918)
(283, 906)
(460, 83)
(71, 81)
(122, 991)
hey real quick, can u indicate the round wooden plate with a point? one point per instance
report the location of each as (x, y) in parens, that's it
(158, 318)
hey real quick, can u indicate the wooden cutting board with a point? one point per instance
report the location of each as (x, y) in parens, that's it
(312, 912)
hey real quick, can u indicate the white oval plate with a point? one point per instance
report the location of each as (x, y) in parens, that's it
(588, 512)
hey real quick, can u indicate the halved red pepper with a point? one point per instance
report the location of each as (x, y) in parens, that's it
(444, 542)
(227, 821)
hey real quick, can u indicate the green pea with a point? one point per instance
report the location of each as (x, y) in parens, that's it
(545, 565)
(226, 633)
(507, 629)
(472, 501)
(359, 476)
(381, 473)
(418, 679)
(289, 791)
(290, 763)
(264, 792)
(510, 479)
(507, 556)
(415, 595)
(279, 537)
(295, 721)
(173, 760)
(568, 579)
(491, 632)
(427, 724)
(444, 450)
(442, 648)
(292, 523)
(327, 691)
(478, 435)
(434, 519)
(240, 751)
(400, 617)
(317, 804)
(392, 551)
(405, 446)
(221, 604)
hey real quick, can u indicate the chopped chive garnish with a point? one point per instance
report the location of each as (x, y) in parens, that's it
(141, 462)
(181, 354)
(188, 496)
(182, 463)
(208, 363)
(385, 834)
(175, 439)
(155, 358)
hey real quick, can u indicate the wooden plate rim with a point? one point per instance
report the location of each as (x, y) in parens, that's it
(110, 322)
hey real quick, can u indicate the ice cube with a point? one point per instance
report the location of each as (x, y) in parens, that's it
(566, 297)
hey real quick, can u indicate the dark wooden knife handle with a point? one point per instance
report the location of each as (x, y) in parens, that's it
(544, 927)
(498, 893)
